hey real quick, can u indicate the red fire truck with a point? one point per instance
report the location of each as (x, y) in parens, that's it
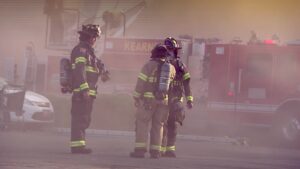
(256, 85)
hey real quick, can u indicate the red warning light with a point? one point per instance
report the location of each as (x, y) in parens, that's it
(230, 93)
(269, 42)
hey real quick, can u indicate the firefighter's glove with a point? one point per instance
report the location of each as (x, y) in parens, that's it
(189, 104)
(105, 76)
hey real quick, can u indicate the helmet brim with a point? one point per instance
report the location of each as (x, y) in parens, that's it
(87, 33)
(174, 48)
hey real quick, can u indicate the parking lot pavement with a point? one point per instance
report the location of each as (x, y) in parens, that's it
(49, 150)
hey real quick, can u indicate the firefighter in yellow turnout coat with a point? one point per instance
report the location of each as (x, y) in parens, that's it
(151, 102)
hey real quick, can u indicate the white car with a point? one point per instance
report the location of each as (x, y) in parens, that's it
(36, 109)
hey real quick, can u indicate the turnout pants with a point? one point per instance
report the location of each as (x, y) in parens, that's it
(176, 116)
(80, 120)
(158, 114)
(169, 133)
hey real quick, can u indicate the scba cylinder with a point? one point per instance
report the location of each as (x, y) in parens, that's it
(164, 78)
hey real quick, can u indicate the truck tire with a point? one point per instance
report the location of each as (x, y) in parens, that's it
(287, 129)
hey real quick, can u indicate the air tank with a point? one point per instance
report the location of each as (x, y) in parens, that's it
(164, 78)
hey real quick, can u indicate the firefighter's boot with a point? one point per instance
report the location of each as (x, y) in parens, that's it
(155, 154)
(171, 154)
(138, 153)
(81, 150)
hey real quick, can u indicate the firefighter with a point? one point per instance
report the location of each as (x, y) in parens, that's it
(151, 100)
(85, 73)
(179, 87)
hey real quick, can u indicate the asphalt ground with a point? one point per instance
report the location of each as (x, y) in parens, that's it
(49, 150)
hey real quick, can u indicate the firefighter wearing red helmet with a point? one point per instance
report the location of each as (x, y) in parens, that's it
(86, 68)
(178, 88)
(151, 100)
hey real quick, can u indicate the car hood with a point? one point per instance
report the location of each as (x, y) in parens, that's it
(32, 96)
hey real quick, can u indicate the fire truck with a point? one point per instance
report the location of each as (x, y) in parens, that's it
(254, 85)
